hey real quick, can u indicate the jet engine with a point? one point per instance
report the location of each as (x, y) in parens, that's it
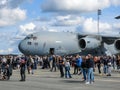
(89, 43)
(117, 44)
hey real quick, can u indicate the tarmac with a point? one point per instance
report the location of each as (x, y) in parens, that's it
(43, 79)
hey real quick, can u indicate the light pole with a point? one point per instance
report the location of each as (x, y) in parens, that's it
(98, 13)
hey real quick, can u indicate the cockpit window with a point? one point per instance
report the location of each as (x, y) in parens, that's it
(29, 43)
(31, 37)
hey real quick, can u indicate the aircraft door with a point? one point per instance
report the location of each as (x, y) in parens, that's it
(51, 51)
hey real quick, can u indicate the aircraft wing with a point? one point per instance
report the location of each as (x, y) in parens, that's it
(109, 39)
(105, 38)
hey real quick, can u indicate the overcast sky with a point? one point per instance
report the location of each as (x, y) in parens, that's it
(19, 18)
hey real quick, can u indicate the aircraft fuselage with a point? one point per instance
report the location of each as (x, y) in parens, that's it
(44, 43)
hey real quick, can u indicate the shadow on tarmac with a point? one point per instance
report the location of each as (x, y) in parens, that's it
(49, 77)
(72, 81)
(9, 81)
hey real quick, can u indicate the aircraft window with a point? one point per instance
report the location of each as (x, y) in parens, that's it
(29, 43)
(36, 43)
(88, 41)
(60, 47)
(34, 38)
(28, 37)
(31, 37)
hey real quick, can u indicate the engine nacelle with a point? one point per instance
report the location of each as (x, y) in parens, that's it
(117, 44)
(89, 43)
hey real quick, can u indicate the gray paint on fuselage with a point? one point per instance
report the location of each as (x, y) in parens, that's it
(62, 42)
(66, 43)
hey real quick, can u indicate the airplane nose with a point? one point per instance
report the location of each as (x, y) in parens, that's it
(20, 47)
(24, 48)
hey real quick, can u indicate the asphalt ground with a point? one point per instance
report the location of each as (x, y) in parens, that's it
(43, 79)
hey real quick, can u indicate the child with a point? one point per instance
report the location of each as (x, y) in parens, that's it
(67, 69)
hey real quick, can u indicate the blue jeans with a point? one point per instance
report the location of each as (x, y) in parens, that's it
(67, 72)
(105, 69)
(90, 75)
(84, 70)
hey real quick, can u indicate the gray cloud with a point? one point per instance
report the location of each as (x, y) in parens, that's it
(90, 26)
(11, 16)
(10, 3)
(72, 6)
(42, 19)
(9, 44)
(69, 20)
(76, 6)
(10, 12)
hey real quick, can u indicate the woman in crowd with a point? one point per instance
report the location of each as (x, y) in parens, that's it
(61, 65)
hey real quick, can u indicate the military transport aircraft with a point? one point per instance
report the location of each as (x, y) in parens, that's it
(62, 43)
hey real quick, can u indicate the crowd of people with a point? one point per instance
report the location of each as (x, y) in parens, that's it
(85, 65)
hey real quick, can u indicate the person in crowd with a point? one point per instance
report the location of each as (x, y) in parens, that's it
(76, 64)
(9, 67)
(4, 60)
(73, 62)
(61, 66)
(40, 61)
(109, 64)
(47, 62)
(95, 60)
(30, 65)
(84, 67)
(35, 61)
(105, 67)
(44, 62)
(79, 64)
(67, 69)
(90, 67)
(18, 62)
(118, 62)
(114, 61)
(53, 63)
(22, 69)
(99, 61)
(14, 63)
